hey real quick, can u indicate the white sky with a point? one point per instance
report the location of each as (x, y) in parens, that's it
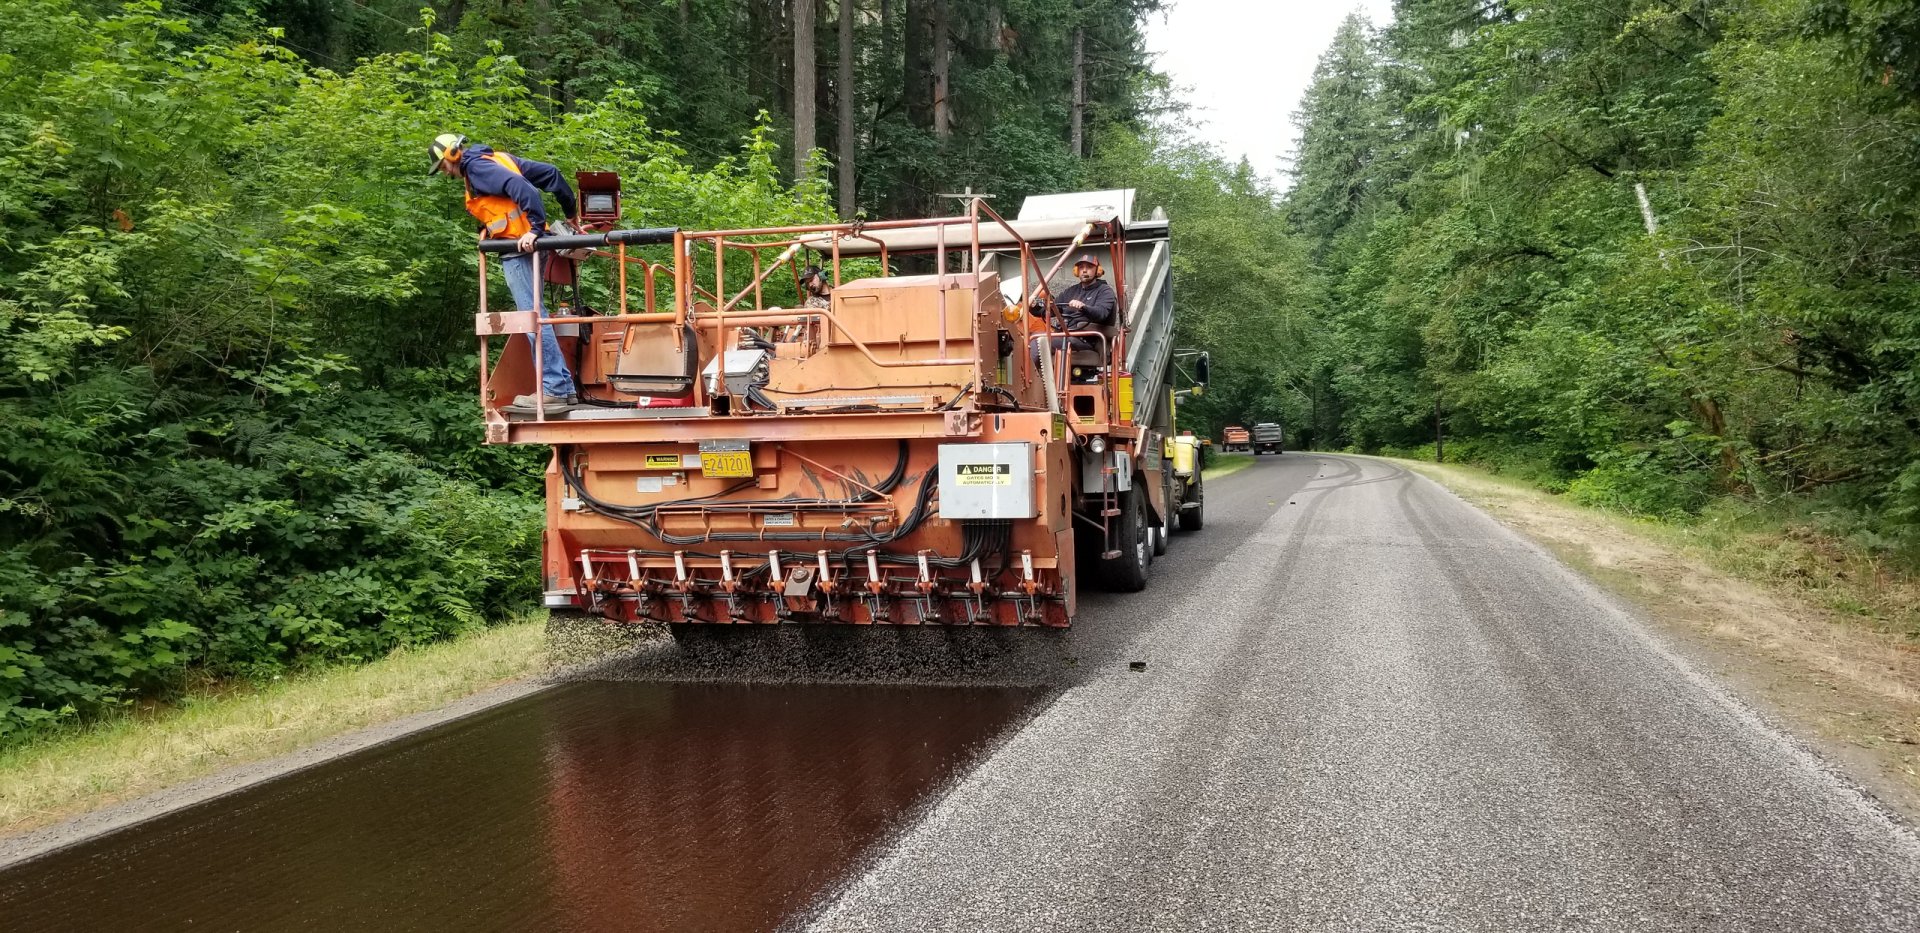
(1244, 64)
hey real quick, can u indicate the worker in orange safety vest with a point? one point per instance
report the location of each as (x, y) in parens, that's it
(503, 194)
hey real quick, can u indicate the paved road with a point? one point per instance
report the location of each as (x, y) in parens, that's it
(1369, 707)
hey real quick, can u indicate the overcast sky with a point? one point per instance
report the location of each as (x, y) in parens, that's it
(1244, 64)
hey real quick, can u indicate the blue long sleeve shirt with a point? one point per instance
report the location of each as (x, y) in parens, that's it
(487, 177)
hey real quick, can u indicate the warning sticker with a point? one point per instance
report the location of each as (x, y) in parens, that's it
(984, 474)
(663, 461)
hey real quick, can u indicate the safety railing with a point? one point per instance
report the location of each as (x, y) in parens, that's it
(725, 318)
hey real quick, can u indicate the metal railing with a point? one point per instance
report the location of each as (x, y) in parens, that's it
(722, 318)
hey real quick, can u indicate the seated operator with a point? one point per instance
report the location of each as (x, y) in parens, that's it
(815, 292)
(816, 288)
(503, 194)
(1085, 305)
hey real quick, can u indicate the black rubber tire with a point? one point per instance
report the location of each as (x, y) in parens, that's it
(1086, 557)
(1128, 572)
(1193, 519)
(1163, 533)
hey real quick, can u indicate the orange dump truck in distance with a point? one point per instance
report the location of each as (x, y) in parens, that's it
(922, 450)
(1236, 438)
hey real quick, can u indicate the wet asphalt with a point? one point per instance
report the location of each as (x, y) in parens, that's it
(1367, 706)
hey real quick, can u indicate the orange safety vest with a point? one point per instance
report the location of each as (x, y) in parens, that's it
(499, 216)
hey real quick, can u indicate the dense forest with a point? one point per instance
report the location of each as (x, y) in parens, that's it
(1659, 254)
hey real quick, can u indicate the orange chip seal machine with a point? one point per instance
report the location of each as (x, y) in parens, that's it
(917, 452)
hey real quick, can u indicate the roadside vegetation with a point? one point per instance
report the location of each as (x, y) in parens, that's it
(1658, 257)
(240, 435)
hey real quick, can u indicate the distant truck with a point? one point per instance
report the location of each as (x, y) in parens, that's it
(1236, 438)
(1268, 438)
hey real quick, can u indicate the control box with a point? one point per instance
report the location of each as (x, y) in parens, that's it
(986, 481)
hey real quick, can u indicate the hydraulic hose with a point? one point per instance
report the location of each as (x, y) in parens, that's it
(652, 236)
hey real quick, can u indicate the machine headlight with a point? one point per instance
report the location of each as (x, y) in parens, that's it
(1098, 445)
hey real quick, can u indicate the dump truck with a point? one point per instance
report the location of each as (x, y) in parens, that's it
(1268, 438)
(926, 449)
(1235, 438)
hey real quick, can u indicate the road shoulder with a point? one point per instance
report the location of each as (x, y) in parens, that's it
(1851, 693)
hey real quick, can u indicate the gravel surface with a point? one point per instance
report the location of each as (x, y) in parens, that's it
(1367, 706)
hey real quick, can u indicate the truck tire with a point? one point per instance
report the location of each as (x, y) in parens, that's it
(1128, 572)
(1163, 532)
(1192, 519)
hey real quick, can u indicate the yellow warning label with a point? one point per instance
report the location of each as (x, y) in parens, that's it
(663, 461)
(1059, 427)
(984, 474)
(1126, 398)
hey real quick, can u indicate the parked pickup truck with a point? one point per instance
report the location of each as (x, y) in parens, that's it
(1268, 438)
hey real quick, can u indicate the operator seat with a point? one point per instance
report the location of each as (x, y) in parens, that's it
(1086, 365)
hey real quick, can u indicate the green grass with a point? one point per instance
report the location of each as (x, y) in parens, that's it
(67, 773)
(1226, 465)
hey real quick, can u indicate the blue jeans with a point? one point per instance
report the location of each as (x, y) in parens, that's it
(555, 380)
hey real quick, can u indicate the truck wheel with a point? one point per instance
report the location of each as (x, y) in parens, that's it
(1192, 519)
(1128, 572)
(1163, 532)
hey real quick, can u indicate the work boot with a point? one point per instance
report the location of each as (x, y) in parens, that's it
(555, 403)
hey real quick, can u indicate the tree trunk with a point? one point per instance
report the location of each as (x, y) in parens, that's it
(916, 84)
(804, 75)
(686, 13)
(889, 51)
(942, 70)
(916, 81)
(1079, 92)
(847, 140)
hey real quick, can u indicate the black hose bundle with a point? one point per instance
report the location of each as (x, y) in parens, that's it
(980, 538)
(642, 516)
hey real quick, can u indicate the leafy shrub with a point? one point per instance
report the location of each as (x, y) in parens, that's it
(1645, 483)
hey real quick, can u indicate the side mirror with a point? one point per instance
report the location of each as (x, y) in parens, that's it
(1203, 370)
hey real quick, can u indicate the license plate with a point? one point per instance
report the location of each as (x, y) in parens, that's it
(726, 464)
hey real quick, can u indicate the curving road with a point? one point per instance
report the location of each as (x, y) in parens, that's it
(1369, 707)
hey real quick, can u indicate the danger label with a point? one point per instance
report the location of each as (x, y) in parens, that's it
(663, 461)
(984, 474)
